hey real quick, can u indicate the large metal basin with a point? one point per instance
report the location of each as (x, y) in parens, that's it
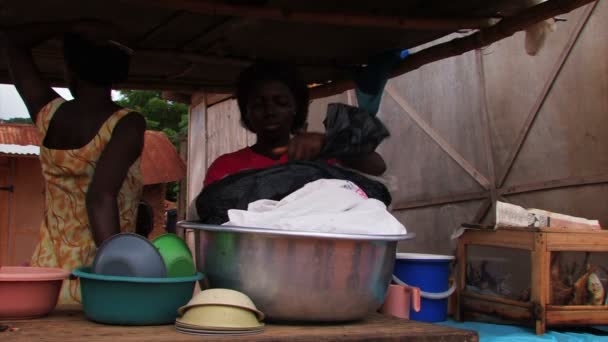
(298, 276)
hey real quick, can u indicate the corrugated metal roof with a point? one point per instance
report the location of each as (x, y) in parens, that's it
(31, 150)
(19, 134)
(160, 162)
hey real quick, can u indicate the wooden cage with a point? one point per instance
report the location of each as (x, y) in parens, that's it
(539, 311)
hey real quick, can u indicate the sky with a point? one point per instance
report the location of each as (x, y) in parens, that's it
(11, 105)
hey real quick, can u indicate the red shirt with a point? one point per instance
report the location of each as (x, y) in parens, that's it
(241, 160)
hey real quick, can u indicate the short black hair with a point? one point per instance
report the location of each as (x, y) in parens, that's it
(100, 64)
(285, 73)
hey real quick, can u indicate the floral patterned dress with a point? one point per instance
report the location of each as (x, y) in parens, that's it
(66, 240)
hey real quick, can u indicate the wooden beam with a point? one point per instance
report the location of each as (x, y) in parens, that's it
(185, 71)
(505, 28)
(555, 184)
(214, 98)
(176, 97)
(482, 212)
(592, 315)
(439, 200)
(192, 57)
(150, 34)
(339, 19)
(484, 118)
(525, 130)
(210, 36)
(437, 138)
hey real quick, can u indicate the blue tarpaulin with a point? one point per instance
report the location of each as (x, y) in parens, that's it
(512, 333)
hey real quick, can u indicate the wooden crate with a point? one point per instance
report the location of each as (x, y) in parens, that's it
(541, 243)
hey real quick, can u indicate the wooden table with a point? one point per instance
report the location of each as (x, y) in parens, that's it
(69, 324)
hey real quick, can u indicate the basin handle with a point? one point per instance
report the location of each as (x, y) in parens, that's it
(429, 295)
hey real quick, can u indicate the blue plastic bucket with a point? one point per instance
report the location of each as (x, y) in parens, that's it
(430, 273)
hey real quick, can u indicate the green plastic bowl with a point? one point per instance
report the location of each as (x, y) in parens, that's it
(133, 300)
(176, 255)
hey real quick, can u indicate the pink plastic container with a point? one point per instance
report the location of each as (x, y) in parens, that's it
(399, 300)
(29, 292)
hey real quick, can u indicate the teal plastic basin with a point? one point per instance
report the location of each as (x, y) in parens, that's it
(133, 300)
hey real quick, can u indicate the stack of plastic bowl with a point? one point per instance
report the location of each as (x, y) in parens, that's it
(137, 282)
(220, 312)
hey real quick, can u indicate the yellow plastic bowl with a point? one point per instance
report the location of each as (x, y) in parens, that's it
(219, 316)
(222, 297)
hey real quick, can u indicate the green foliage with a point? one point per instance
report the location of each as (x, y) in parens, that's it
(161, 115)
(29, 121)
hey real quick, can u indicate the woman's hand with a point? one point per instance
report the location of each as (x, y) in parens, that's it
(305, 146)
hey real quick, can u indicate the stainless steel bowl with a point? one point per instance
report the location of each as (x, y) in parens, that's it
(298, 276)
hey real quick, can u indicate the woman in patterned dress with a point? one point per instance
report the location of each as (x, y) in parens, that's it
(90, 147)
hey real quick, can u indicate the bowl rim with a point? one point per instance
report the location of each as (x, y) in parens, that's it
(85, 272)
(294, 233)
(171, 237)
(49, 274)
(259, 314)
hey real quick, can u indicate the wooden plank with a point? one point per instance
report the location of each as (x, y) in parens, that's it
(176, 97)
(494, 308)
(5, 206)
(539, 278)
(208, 38)
(158, 28)
(487, 136)
(488, 318)
(568, 230)
(500, 238)
(583, 242)
(439, 200)
(338, 19)
(192, 57)
(213, 99)
(496, 299)
(197, 147)
(461, 278)
(445, 146)
(554, 184)
(225, 133)
(577, 307)
(577, 317)
(67, 325)
(483, 211)
(458, 46)
(523, 133)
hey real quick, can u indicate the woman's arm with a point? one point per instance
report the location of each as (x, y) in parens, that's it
(125, 146)
(372, 164)
(307, 146)
(17, 42)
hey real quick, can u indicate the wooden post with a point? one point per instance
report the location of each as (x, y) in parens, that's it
(461, 276)
(182, 203)
(539, 294)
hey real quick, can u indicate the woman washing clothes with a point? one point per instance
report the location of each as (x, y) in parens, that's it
(273, 102)
(90, 147)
